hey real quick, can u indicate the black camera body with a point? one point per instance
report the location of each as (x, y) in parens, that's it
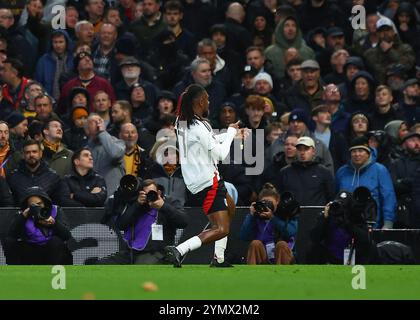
(358, 207)
(39, 213)
(130, 187)
(262, 205)
(289, 207)
(152, 196)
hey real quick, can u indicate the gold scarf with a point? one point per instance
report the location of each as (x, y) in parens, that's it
(169, 168)
(3, 153)
(132, 161)
(51, 145)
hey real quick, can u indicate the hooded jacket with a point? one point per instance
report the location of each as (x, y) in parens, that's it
(45, 68)
(173, 185)
(353, 103)
(275, 52)
(377, 179)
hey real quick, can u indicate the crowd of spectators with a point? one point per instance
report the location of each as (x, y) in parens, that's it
(82, 106)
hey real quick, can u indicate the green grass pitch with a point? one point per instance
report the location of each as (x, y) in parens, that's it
(193, 282)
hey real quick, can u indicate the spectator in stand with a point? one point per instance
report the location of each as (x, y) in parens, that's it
(85, 32)
(292, 77)
(338, 60)
(131, 71)
(201, 74)
(287, 35)
(55, 62)
(248, 75)
(72, 17)
(340, 119)
(27, 106)
(221, 72)
(173, 13)
(86, 78)
(307, 93)
(165, 169)
(9, 155)
(361, 97)
(104, 61)
(335, 141)
(410, 103)
(33, 171)
(44, 108)
(403, 175)
(18, 126)
(135, 156)
(87, 188)
(14, 86)
(95, 12)
(238, 37)
(149, 25)
(317, 180)
(74, 136)
(55, 152)
(351, 67)
(362, 170)
(389, 50)
(102, 106)
(298, 126)
(385, 110)
(359, 125)
(107, 151)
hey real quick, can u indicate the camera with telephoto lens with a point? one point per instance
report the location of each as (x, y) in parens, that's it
(357, 207)
(129, 189)
(288, 207)
(152, 196)
(39, 213)
(261, 206)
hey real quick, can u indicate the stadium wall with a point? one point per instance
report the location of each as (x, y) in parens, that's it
(94, 240)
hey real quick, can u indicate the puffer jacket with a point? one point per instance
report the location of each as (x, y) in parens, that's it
(377, 179)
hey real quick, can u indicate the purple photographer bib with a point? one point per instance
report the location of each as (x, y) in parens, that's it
(138, 238)
(34, 234)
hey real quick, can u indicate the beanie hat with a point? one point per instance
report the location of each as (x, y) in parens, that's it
(14, 119)
(299, 115)
(360, 143)
(263, 76)
(75, 91)
(79, 112)
(79, 57)
(393, 127)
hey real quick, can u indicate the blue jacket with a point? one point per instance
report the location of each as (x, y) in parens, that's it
(249, 228)
(377, 179)
(45, 68)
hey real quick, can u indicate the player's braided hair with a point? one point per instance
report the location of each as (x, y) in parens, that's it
(185, 110)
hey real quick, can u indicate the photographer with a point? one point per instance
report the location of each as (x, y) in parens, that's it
(37, 234)
(147, 219)
(343, 226)
(271, 226)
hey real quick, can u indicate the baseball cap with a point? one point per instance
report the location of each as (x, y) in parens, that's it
(384, 22)
(335, 32)
(305, 141)
(249, 69)
(410, 135)
(309, 64)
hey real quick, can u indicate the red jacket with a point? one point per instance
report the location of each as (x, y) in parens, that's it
(98, 83)
(8, 97)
